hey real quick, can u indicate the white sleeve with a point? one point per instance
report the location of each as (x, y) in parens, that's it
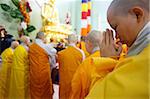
(50, 50)
(83, 54)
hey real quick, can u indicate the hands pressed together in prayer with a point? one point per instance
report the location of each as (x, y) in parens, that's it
(109, 47)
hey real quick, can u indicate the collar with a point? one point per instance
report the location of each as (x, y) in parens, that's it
(72, 44)
(95, 49)
(141, 42)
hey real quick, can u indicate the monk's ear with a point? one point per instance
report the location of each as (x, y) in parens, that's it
(138, 13)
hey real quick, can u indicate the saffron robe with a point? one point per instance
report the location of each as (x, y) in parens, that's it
(69, 60)
(81, 81)
(88, 73)
(40, 76)
(129, 80)
(7, 59)
(19, 80)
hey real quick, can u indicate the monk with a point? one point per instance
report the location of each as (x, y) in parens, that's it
(81, 81)
(40, 75)
(7, 59)
(69, 60)
(129, 80)
(82, 46)
(19, 77)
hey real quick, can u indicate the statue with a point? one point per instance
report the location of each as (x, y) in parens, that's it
(51, 25)
(50, 14)
(68, 18)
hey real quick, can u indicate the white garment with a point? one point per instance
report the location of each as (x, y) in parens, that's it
(50, 51)
(141, 42)
(82, 52)
(95, 49)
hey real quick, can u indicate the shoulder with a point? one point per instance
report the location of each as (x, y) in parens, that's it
(20, 49)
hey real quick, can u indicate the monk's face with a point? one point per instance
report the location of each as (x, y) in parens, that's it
(126, 26)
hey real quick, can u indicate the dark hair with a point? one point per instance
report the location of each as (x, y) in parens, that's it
(3, 29)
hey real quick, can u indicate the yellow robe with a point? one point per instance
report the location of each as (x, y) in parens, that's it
(81, 80)
(87, 75)
(19, 75)
(40, 76)
(69, 60)
(128, 81)
(7, 59)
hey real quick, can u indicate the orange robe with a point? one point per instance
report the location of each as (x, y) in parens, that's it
(69, 60)
(40, 76)
(7, 59)
(81, 81)
(88, 73)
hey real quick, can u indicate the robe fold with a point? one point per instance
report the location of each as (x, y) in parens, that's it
(69, 60)
(88, 73)
(19, 79)
(129, 80)
(40, 76)
(7, 59)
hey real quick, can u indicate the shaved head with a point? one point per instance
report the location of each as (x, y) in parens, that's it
(92, 41)
(72, 38)
(40, 35)
(123, 6)
(128, 18)
(14, 44)
(94, 37)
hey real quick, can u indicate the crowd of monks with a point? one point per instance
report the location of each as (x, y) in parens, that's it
(101, 66)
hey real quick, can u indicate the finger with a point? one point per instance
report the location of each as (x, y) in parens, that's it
(111, 37)
(103, 39)
(107, 37)
(109, 34)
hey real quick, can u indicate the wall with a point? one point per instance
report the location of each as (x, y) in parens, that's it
(6, 20)
(98, 17)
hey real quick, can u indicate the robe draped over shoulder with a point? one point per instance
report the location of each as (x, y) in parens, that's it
(19, 79)
(69, 60)
(129, 80)
(40, 76)
(7, 59)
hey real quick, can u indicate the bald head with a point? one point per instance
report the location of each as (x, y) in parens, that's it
(94, 37)
(40, 35)
(122, 7)
(73, 38)
(14, 44)
(128, 18)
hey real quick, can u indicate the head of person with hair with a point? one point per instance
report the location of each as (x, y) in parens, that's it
(41, 36)
(127, 18)
(72, 39)
(25, 40)
(14, 44)
(92, 41)
(3, 32)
